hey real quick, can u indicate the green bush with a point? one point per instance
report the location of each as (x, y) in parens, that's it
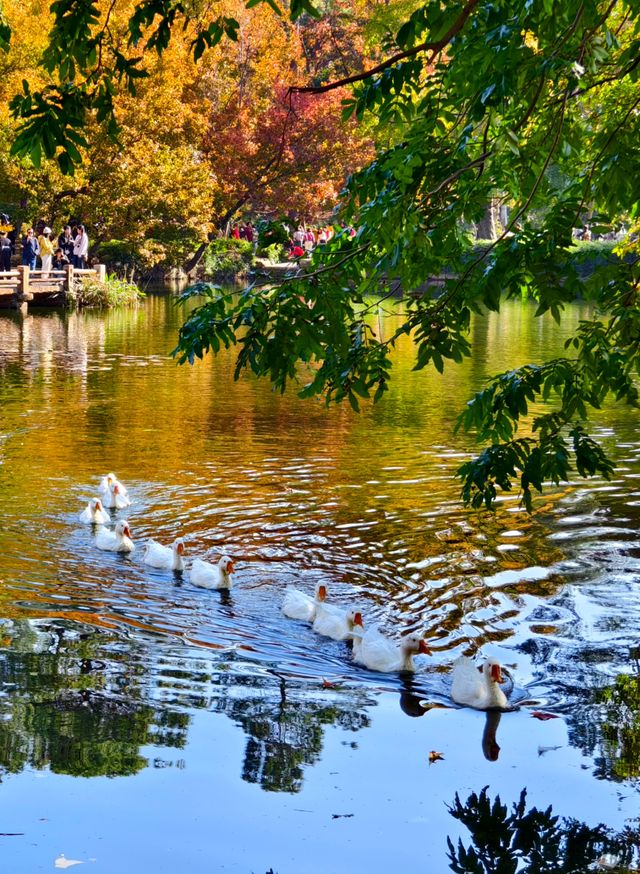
(227, 257)
(274, 253)
(169, 247)
(89, 291)
(120, 255)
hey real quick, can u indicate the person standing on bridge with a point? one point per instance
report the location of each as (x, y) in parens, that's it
(5, 251)
(80, 249)
(46, 250)
(65, 242)
(30, 250)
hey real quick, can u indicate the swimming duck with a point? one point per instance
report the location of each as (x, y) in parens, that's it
(118, 540)
(299, 605)
(168, 557)
(212, 576)
(93, 514)
(478, 686)
(109, 480)
(337, 624)
(379, 653)
(115, 498)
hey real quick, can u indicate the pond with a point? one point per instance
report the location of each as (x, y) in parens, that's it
(147, 725)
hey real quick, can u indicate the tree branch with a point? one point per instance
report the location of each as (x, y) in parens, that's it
(435, 47)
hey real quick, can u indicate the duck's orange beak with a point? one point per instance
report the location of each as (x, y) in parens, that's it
(127, 530)
(496, 674)
(423, 648)
(230, 567)
(180, 549)
(98, 505)
(116, 490)
(357, 620)
(322, 593)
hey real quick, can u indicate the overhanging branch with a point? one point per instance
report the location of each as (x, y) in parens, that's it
(435, 47)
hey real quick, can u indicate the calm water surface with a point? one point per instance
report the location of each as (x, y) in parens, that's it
(150, 726)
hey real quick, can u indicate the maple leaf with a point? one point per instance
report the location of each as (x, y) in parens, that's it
(435, 757)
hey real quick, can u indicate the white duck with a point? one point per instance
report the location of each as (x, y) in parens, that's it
(93, 514)
(338, 624)
(378, 653)
(118, 540)
(478, 686)
(299, 605)
(170, 558)
(112, 480)
(115, 499)
(212, 576)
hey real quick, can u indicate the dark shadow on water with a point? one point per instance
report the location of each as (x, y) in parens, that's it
(490, 746)
(532, 841)
(411, 697)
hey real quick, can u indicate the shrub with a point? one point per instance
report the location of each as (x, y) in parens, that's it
(275, 253)
(120, 255)
(227, 257)
(89, 291)
(169, 247)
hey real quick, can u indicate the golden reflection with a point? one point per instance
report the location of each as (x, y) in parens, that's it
(369, 501)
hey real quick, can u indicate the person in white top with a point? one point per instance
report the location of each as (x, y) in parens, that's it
(80, 248)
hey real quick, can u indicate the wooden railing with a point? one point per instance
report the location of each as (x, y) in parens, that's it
(21, 285)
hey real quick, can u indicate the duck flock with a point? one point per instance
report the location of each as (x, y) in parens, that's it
(478, 686)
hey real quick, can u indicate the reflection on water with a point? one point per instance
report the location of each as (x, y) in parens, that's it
(67, 710)
(534, 841)
(106, 663)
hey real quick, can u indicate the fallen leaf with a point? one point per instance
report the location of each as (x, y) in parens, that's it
(435, 757)
(538, 714)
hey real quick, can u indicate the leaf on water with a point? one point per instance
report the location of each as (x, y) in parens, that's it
(539, 714)
(435, 757)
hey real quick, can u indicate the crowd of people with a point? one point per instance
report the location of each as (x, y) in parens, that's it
(70, 247)
(302, 240)
(42, 249)
(305, 239)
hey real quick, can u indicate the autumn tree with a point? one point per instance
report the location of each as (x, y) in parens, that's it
(196, 142)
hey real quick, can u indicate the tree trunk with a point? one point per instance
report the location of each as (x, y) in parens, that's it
(198, 255)
(487, 228)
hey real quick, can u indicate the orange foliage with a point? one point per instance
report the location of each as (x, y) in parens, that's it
(198, 141)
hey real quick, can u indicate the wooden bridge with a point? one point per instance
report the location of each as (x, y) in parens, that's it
(23, 286)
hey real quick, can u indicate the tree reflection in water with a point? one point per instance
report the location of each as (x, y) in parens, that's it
(532, 841)
(607, 729)
(64, 711)
(80, 701)
(285, 723)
